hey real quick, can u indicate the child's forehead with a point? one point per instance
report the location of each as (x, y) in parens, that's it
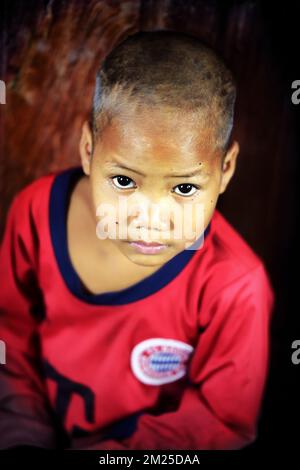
(156, 132)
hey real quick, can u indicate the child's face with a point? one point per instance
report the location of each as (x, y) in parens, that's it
(146, 160)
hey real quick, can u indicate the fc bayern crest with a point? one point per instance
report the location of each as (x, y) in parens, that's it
(157, 361)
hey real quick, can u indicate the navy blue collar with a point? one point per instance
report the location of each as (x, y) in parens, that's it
(60, 194)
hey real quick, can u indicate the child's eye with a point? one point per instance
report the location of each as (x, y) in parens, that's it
(186, 189)
(122, 182)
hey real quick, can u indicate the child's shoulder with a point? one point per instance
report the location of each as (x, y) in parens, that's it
(30, 205)
(231, 257)
(230, 272)
(232, 245)
(34, 194)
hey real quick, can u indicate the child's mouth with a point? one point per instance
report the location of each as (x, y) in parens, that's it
(148, 248)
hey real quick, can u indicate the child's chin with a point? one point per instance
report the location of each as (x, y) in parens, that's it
(146, 262)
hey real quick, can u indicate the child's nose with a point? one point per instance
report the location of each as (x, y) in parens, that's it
(151, 219)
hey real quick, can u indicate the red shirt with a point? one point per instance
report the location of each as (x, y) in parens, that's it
(179, 360)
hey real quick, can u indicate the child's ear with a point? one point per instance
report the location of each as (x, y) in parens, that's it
(86, 147)
(229, 164)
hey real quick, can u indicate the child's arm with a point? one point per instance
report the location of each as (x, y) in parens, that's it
(24, 416)
(219, 410)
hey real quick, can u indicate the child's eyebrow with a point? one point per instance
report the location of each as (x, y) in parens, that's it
(186, 175)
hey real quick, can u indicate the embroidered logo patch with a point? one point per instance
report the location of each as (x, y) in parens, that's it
(157, 361)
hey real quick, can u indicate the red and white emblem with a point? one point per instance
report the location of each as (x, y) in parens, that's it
(157, 361)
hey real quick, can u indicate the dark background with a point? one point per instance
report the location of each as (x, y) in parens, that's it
(50, 51)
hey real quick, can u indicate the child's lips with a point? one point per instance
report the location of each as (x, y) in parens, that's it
(148, 247)
(142, 242)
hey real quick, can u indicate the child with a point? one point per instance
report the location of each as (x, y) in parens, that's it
(145, 340)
